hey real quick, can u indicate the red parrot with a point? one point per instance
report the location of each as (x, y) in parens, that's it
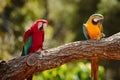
(34, 37)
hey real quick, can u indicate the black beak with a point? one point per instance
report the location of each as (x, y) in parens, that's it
(41, 28)
(101, 20)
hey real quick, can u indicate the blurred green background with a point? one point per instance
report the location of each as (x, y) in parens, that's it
(65, 19)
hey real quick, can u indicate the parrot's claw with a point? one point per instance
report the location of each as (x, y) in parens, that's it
(102, 35)
(38, 53)
(41, 51)
(45, 50)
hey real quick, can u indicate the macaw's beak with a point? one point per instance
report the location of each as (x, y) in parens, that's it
(41, 28)
(101, 20)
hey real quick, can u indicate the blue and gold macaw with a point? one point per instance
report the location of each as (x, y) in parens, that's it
(93, 29)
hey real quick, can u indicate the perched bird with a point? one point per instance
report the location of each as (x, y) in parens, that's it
(34, 37)
(93, 29)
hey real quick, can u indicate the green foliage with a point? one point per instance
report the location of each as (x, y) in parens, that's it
(80, 71)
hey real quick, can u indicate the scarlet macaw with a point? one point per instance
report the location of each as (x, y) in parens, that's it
(34, 37)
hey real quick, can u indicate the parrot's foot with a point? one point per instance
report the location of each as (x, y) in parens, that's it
(44, 50)
(102, 35)
(38, 53)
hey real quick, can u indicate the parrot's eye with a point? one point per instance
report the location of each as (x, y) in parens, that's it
(94, 21)
(40, 26)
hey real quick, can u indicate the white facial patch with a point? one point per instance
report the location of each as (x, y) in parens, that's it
(44, 26)
(95, 19)
(39, 25)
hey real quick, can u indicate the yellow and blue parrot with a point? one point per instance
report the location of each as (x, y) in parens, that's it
(93, 29)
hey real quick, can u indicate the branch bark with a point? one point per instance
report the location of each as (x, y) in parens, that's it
(25, 66)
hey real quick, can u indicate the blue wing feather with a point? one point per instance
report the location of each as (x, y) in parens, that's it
(85, 32)
(27, 45)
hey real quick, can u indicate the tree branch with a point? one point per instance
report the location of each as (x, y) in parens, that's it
(25, 66)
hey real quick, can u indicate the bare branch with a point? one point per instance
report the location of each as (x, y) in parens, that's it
(25, 66)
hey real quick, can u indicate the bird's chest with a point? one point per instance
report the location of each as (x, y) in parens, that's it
(37, 38)
(93, 32)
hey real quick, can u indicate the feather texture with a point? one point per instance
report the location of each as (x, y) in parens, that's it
(27, 45)
(85, 32)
